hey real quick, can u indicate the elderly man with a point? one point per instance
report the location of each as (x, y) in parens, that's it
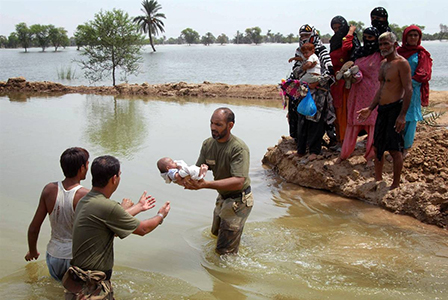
(392, 98)
(228, 157)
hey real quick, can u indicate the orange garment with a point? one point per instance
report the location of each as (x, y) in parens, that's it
(340, 123)
(338, 91)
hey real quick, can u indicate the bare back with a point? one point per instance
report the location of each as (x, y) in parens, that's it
(393, 77)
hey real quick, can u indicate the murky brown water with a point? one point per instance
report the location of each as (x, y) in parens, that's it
(298, 243)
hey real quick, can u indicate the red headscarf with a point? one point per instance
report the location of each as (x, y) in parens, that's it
(424, 67)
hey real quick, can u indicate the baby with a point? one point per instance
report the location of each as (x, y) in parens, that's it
(177, 170)
(311, 65)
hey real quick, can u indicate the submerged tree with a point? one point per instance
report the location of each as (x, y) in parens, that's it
(151, 22)
(190, 36)
(41, 34)
(24, 35)
(443, 31)
(208, 39)
(254, 35)
(223, 39)
(111, 42)
(58, 37)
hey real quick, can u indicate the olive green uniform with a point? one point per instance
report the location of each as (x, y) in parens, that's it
(97, 221)
(225, 160)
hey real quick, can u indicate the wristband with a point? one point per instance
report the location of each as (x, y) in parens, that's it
(160, 215)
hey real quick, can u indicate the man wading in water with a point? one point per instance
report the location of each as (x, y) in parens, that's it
(393, 98)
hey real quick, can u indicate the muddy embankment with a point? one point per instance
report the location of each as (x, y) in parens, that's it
(423, 193)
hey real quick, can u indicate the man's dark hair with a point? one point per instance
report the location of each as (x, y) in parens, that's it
(104, 168)
(72, 160)
(230, 116)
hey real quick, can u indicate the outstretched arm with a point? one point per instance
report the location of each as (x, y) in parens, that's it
(228, 184)
(149, 225)
(145, 203)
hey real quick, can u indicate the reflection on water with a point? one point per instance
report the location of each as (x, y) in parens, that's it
(117, 126)
(297, 244)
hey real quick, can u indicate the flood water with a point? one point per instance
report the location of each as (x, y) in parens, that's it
(231, 64)
(298, 243)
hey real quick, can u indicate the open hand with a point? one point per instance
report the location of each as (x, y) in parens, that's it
(400, 123)
(126, 203)
(165, 209)
(146, 202)
(363, 114)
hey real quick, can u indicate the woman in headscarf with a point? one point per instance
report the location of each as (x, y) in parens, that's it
(311, 129)
(342, 45)
(378, 18)
(362, 92)
(421, 68)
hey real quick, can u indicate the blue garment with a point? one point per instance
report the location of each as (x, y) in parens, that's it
(414, 113)
(57, 266)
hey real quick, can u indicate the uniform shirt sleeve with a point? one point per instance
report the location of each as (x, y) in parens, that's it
(121, 222)
(238, 164)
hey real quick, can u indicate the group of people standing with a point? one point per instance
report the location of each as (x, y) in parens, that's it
(84, 223)
(377, 89)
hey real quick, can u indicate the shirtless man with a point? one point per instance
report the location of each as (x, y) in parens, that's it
(393, 99)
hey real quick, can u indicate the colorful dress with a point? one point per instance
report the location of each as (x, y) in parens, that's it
(421, 67)
(361, 95)
(338, 90)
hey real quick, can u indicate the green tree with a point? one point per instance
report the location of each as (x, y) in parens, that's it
(190, 36)
(151, 22)
(254, 35)
(397, 30)
(208, 39)
(111, 42)
(41, 34)
(13, 40)
(58, 37)
(443, 31)
(3, 41)
(80, 33)
(278, 38)
(239, 38)
(290, 38)
(222, 39)
(24, 35)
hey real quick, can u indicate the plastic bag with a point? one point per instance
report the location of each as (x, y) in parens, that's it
(307, 107)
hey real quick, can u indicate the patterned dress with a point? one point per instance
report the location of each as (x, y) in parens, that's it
(361, 95)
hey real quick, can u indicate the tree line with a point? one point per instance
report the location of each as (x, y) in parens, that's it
(36, 35)
(44, 36)
(113, 40)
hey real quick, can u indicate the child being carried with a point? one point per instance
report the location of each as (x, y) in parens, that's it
(177, 170)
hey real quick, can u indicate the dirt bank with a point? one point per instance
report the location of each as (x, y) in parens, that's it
(180, 89)
(424, 190)
(423, 193)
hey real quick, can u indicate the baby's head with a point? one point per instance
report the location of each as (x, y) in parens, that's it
(166, 163)
(307, 50)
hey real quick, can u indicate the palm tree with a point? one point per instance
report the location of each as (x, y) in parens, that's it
(151, 22)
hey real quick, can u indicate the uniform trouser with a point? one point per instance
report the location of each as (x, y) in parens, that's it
(229, 218)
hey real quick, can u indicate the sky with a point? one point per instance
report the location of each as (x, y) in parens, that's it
(225, 16)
